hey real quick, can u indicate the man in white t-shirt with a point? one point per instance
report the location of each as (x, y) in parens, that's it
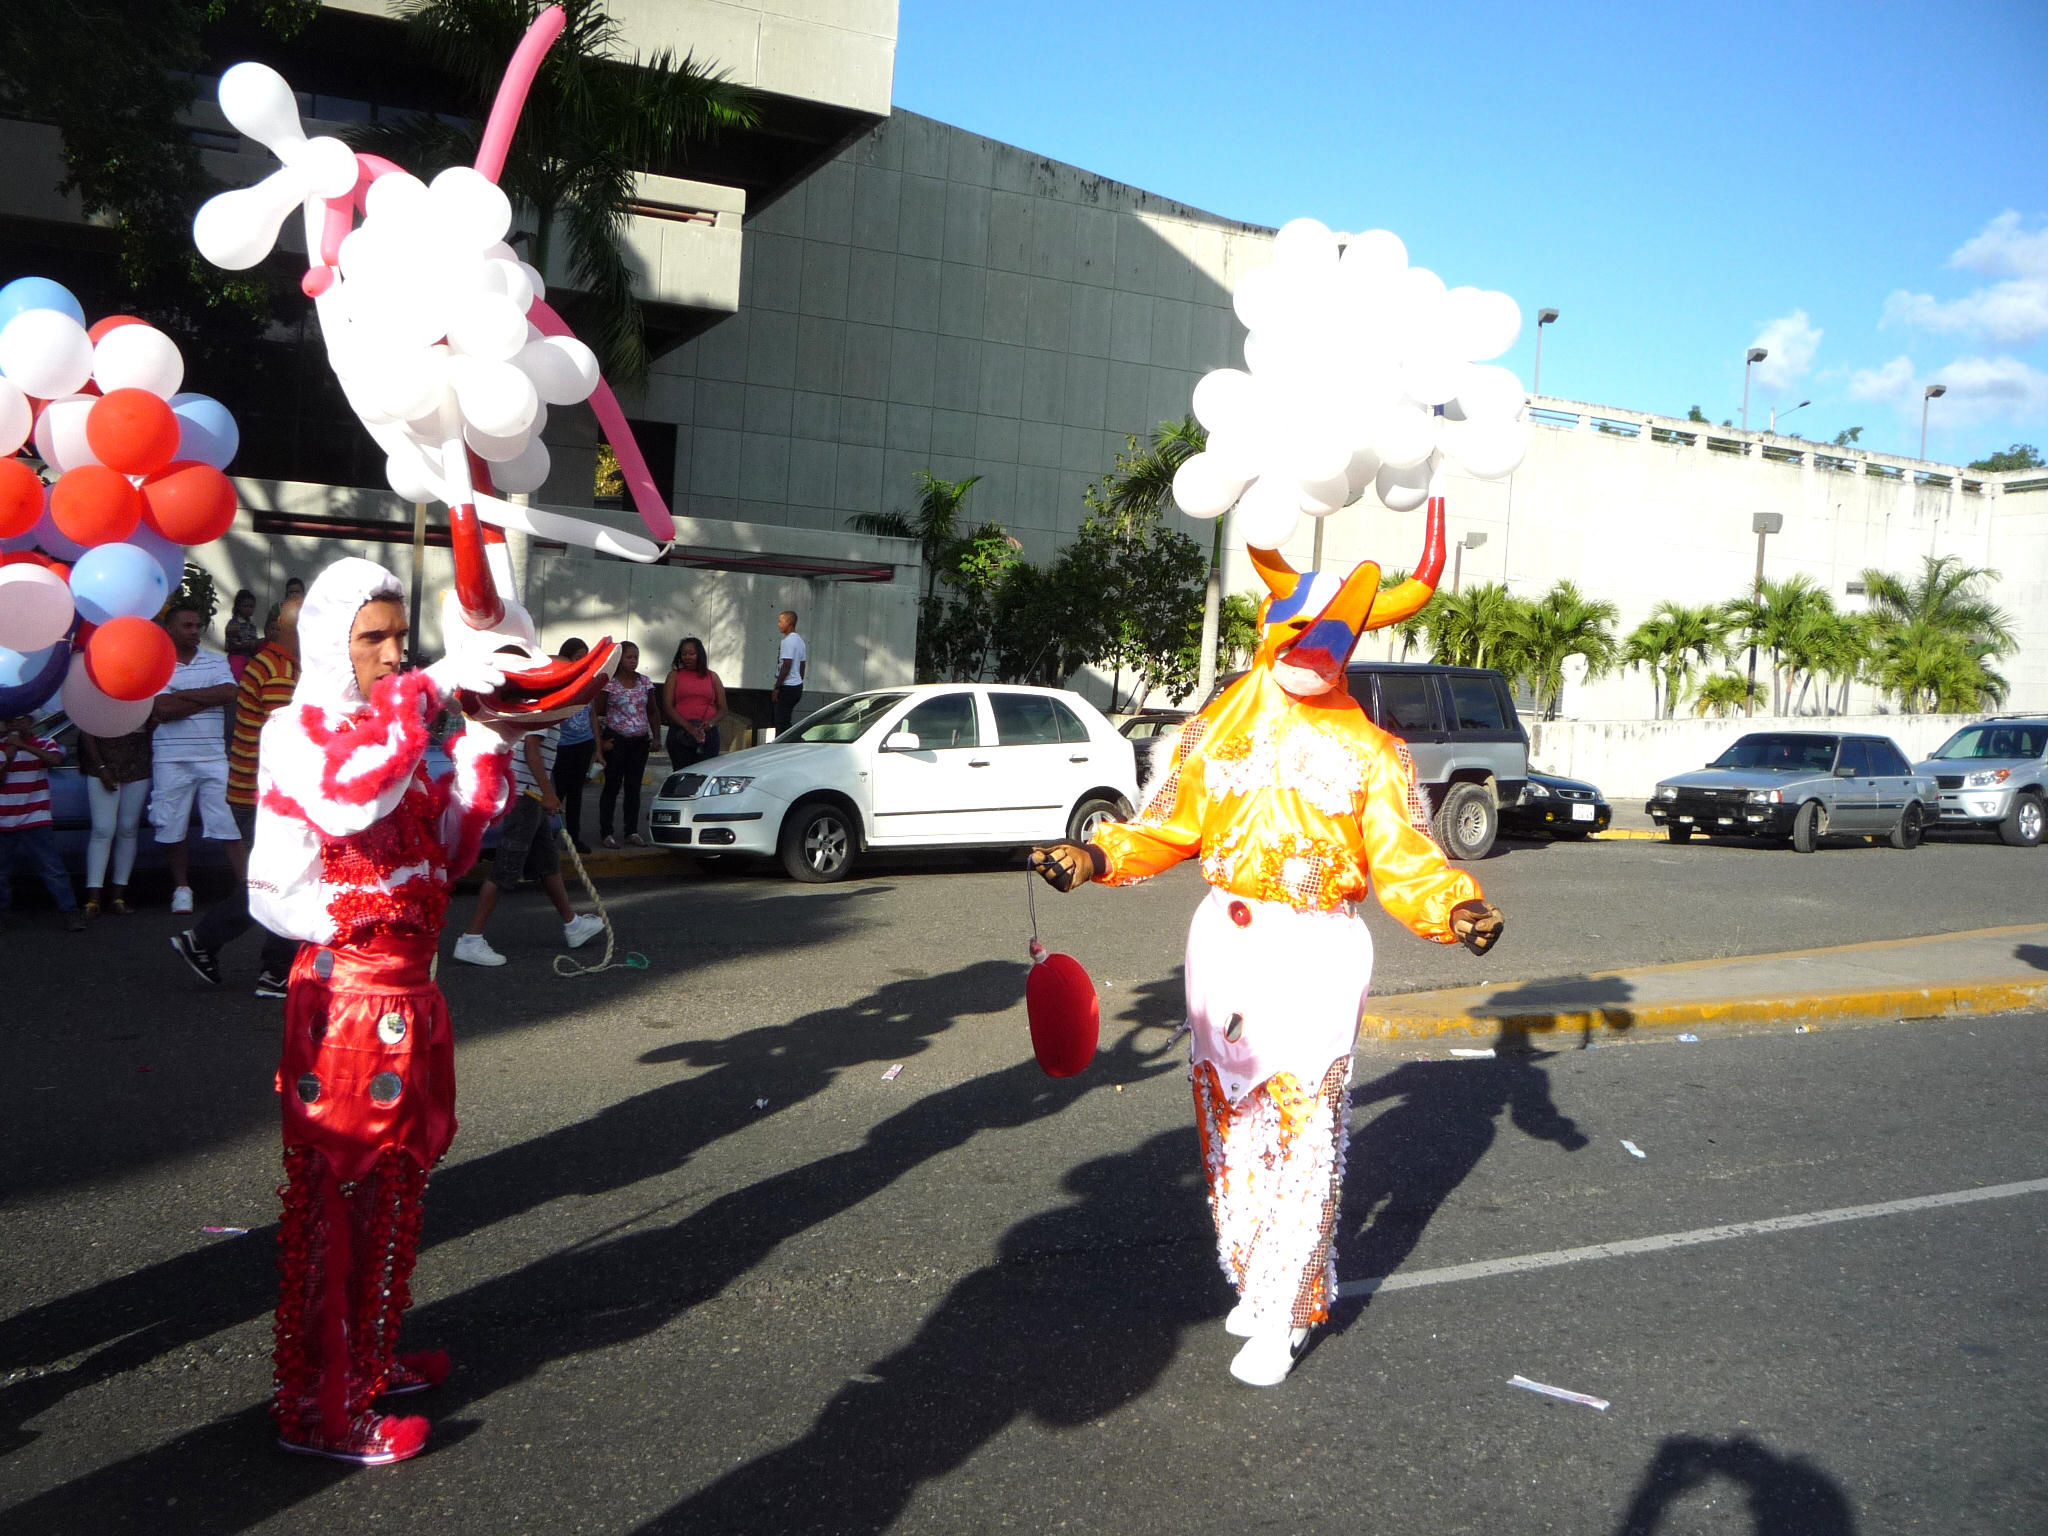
(189, 754)
(789, 670)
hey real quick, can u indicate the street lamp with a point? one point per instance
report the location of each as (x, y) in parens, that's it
(1931, 392)
(1763, 525)
(1471, 540)
(1543, 317)
(1802, 405)
(1756, 355)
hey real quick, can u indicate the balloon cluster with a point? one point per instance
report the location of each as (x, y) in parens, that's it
(87, 562)
(424, 309)
(1361, 373)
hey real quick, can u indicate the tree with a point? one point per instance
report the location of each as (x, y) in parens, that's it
(2018, 456)
(595, 116)
(1937, 636)
(1769, 617)
(1411, 630)
(1237, 635)
(1695, 414)
(1724, 694)
(1563, 622)
(1668, 644)
(1155, 622)
(1847, 436)
(1475, 628)
(1140, 487)
(935, 524)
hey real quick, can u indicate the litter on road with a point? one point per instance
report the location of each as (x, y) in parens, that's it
(893, 1073)
(1695, 1039)
(1558, 1392)
(1485, 1055)
(226, 1231)
(760, 1103)
(1634, 1150)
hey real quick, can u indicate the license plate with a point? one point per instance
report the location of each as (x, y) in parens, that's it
(1582, 813)
(1727, 821)
(1685, 818)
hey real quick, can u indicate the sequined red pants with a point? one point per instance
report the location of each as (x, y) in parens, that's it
(368, 1089)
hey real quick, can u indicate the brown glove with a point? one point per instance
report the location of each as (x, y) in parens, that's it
(1477, 925)
(1066, 865)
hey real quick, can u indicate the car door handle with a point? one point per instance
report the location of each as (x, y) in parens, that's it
(977, 762)
(1081, 758)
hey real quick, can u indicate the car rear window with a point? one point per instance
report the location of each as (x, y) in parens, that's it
(1027, 719)
(1407, 702)
(1853, 760)
(945, 721)
(1477, 704)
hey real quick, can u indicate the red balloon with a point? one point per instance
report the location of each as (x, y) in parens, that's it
(21, 498)
(130, 659)
(99, 328)
(27, 557)
(84, 632)
(189, 503)
(95, 504)
(133, 431)
(1066, 1015)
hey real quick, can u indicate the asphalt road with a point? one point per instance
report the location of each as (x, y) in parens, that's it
(973, 1298)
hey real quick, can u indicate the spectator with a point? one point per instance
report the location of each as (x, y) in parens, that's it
(692, 699)
(190, 753)
(293, 587)
(574, 756)
(117, 788)
(266, 687)
(526, 846)
(25, 833)
(244, 639)
(789, 670)
(623, 740)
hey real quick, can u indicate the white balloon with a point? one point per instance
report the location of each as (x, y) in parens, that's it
(487, 325)
(534, 280)
(1319, 498)
(470, 210)
(1484, 322)
(528, 472)
(1256, 295)
(1203, 488)
(510, 278)
(35, 608)
(1236, 455)
(1489, 450)
(409, 476)
(16, 417)
(1314, 449)
(1432, 377)
(93, 711)
(496, 398)
(396, 199)
(1406, 436)
(1374, 258)
(496, 450)
(1487, 392)
(1359, 473)
(138, 357)
(1402, 490)
(45, 353)
(1225, 399)
(403, 384)
(564, 371)
(1305, 245)
(1418, 314)
(60, 433)
(1268, 513)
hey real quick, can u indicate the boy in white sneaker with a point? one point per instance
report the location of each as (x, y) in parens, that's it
(526, 845)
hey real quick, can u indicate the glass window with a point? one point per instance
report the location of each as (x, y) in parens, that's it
(1477, 704)
(1407, 702)
(1024, 719)
(945, 721)
(1999, 738)
(1071, 726)
(844, 719)
(1786, 753)
(1852, 761)
(1885, 758)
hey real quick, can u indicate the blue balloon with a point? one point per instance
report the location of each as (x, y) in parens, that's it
(27, 681)
(118, 581)
(206, 430)
(170, 557)
(53, 543)
(37, 293)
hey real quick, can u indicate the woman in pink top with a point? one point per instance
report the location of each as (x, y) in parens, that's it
(692, 700)
(623, 739)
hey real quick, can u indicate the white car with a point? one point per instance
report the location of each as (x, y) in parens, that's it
(939, 765)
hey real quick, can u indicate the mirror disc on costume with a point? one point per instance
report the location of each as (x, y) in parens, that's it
(324, 963)
(391, 1028)
(385, 1088)
(309, 1087)
(1240, 914)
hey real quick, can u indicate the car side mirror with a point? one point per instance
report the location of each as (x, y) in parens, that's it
(1845, 773)
(901, 741)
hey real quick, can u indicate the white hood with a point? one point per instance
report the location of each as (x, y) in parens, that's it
(327, 677)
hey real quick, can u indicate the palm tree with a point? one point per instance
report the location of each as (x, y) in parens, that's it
(1141, 486)
(1767, 617)
(1937, 635)
(595, 116)
(1563, 622)
(1723, 694)
(935, 524)
(1237, 634)
(1667, 645)
(1475, 628)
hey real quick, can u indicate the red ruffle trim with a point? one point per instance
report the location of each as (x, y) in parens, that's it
(394, 724)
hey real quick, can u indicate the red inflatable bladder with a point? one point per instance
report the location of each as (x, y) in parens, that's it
(93, 504)
(21, 498)
(189, 503)
(129, 659)
(1066, 1015)
(132, 431)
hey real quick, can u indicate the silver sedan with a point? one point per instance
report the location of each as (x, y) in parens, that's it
(1802, 785)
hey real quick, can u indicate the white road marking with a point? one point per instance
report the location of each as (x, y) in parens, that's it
(1524, 1263)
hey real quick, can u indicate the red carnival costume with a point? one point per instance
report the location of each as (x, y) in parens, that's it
(1295, 803)
(355, 848)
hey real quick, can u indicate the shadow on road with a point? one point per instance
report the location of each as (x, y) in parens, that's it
(2035, 955)
(1787, 1495)
(1557, 1005)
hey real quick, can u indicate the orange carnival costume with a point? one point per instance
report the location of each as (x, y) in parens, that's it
(1296, 804)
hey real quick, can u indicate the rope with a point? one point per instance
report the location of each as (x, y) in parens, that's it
(568, 965)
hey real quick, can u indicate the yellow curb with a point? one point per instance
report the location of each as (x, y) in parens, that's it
(1428, 1017)
(1627, 834)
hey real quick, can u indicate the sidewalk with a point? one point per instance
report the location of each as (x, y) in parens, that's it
(1989, 970)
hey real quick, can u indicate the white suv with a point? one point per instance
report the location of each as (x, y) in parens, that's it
(939, 765)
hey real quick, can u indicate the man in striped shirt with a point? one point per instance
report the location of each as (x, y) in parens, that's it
(266, 687)
(25, 833)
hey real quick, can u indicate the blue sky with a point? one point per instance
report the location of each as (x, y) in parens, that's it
(1863, 188)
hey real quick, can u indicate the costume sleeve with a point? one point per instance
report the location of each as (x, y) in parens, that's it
(1168, 826)
(345, 778)
(1409, 874)
(477, 789)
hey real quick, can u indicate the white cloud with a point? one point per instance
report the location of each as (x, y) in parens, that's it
(1980, 389)
(2011, 313)
(1893, 384)
(1791, 341)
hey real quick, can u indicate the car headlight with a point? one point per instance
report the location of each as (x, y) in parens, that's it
(1765, 797)
(724, 784)
(1535, 792)
(1666, 792)
(1989, 777)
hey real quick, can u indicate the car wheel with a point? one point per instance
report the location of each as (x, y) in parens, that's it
(1677, 833)
(1806, 827)
(1090, 814)
(1911, 828)
(2023, 823)
(818, 843)
(1467, 822)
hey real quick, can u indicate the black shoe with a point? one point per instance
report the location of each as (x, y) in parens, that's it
(204, 966)
(271, 985)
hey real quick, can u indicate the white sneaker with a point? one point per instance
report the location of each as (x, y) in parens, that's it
(580, 930)
(475, 949)
(1266, 1359)
(1239, 1324)
(181, 900)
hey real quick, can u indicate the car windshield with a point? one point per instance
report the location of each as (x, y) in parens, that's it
(1776, 753)
(1997, 738)
(846, 720)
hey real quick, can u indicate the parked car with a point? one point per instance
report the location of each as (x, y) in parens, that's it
(1994, 775)
(940, 765)
(1566, 808)
(1146, 730)
(1805, 785)
(1471, 753)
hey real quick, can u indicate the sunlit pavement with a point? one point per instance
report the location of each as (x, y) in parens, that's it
(704, 1268)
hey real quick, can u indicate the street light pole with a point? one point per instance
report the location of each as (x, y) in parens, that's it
(1543, 317)
(1756, 355)
(1931, 392)
(1802, 405)
(1764, 524)
(1471, 540)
